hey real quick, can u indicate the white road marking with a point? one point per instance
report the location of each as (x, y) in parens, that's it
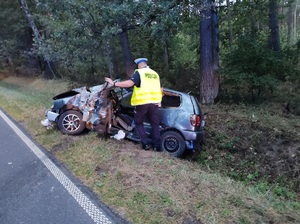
(93, 211)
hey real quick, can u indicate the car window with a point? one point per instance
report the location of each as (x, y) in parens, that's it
(170, 100)
(126, 101)
(121, 92)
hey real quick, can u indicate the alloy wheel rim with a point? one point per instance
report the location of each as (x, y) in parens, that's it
(71, 122)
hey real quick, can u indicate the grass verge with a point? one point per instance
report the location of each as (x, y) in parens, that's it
(147, 186)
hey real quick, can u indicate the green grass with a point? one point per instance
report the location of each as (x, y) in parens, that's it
(152, 187)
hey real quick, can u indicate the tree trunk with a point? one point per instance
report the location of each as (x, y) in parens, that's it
(215, 38)
(110, 65)
(49, 65)
(229, 23)
(215, 51)
(129, 65)
(207, 91)
(116, 63)
(292, 22)
(166, 57)
(274, 39)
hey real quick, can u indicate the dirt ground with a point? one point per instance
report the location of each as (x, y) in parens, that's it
(250, 151)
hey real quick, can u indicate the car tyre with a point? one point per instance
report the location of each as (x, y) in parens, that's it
(173, 143)
(70, 122)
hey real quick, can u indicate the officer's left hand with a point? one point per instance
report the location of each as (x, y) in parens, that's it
(109, 80)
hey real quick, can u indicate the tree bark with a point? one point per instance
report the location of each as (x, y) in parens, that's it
(229, 23)
(292, 22)
(207, 86)
(110, 65)
(274, 39)
(166, 56)
(215, 37)
(37, 37)
(129, 65)
(215, 49)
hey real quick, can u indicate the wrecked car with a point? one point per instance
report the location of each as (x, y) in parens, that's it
(107, 110)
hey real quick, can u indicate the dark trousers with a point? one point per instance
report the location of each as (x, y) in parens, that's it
(151, 113)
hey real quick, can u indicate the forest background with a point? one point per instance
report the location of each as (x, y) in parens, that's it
(240, 58)
(229, 50)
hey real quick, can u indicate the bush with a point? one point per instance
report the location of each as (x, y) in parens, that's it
(251, 70)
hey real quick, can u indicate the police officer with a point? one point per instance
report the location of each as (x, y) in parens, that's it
(146, 97)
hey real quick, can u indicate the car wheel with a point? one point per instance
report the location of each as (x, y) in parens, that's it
(70, 122)
(173, 143)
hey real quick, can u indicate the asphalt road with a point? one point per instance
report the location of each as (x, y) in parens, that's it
(35, 189)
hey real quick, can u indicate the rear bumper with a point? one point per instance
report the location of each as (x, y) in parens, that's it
(193, 138)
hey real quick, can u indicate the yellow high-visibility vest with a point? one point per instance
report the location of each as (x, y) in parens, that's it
(149, 90)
